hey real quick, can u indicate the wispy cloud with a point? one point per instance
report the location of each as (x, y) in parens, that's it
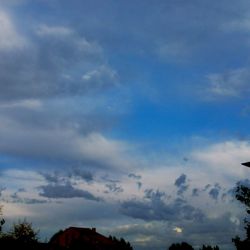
(232, 83)
(10, 39)
(57, 31)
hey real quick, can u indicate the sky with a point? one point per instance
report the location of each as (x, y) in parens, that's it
(128, 116)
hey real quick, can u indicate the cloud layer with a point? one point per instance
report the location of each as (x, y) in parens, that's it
(131, 117)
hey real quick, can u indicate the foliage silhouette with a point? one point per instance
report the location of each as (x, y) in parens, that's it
(182, 246)
(121, 244)
(2, 221)
(209, 248)
(21, 236)
(24, 232)
(243, 195)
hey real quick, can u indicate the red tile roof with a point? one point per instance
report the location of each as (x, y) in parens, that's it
(82, 236)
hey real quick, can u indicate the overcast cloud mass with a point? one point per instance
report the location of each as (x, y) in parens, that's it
(128, 116)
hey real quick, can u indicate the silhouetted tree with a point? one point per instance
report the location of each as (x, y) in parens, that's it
(21, 236)
(209, 248)
(24, 232)
(121, 244)
(243, 195)
(2, 221)
(182, 246)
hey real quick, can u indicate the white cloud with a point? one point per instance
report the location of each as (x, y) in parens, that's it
(63, 144)
(224, 158)
(101, 149)
(16, 211)
(178, 229)
(17, 178)
(9, 37)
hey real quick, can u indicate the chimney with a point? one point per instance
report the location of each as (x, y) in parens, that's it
(93, 229)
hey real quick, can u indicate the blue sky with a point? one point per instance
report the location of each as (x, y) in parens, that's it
(129, 116)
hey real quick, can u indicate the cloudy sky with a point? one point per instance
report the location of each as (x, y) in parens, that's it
(128, 116)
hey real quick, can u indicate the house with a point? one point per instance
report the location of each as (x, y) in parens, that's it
(85, 238)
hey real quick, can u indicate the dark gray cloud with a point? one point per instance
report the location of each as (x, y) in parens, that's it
(152, 194)
(207, 187)
(114, 188)
(66, 191)
(180, 180)
(181, 184)
(139, 184)
(182, 189)
(82, 174)
(134, 176)
(214, 193)
(67, 176)
(15, 198)
(155, 208)
(195, 192)
(21, 190)
(137, 178)
(32, 201)
(110, 180)
(52, 178)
